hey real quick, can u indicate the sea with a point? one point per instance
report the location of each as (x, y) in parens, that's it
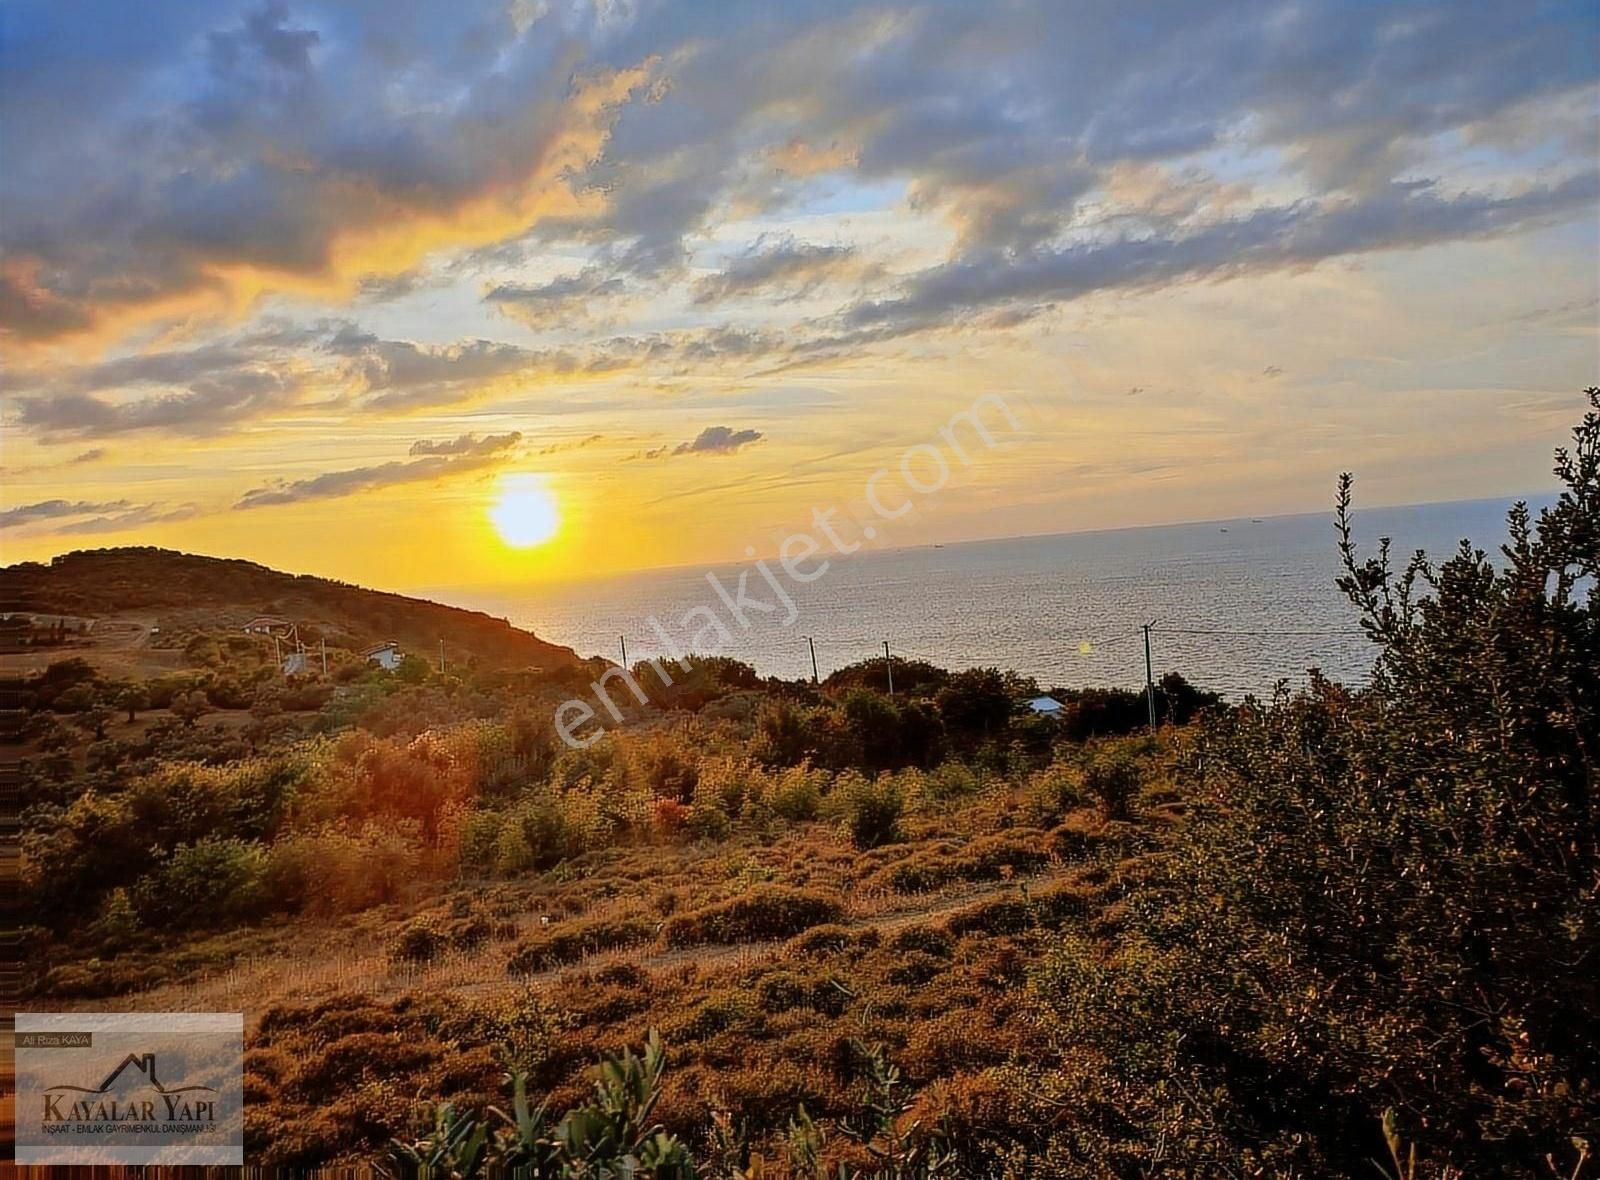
(1236, 606)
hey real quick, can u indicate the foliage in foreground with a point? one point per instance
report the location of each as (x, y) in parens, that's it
(1383, 898)
(613, 1136)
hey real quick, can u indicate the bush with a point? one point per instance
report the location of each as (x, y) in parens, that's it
(216, 881)
(796, 794)
(419, 942)
(1051, 793)
(872, 809)
(1113, 778)
(571, 941)
(767, 911)
(1381, 898)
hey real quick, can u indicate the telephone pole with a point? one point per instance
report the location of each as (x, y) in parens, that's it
(812, 644)
(441, 657)
(624, 640)
(1149, 680)
(324, 643)
(888, 664)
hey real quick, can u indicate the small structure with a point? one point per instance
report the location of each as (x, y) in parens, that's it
(268, 625)
(386, 655)
(1046, 707)
(297, 663)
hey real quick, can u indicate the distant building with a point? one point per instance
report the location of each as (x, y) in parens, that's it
(386, 655)
(268, 625)
(1046, 706)
(297, 663)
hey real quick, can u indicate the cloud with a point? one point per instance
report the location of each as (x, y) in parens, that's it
(136, 517)
(779, 267)
(1265, 239)
(438, 460)
(564, 300)
(577, 444)
(188, 164)
(56, 510)
(103, 517)
(210, 405)
(467, 444)
(713, 440)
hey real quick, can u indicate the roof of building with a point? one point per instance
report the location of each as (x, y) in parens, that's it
(1045, 705)
(391, 645)
(267, 621)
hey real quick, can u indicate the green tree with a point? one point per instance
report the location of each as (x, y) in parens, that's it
(131, 698)
(94, 720)
(1384, 898)
(189, 707)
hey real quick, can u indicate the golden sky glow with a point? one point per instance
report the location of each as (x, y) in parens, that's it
(513, 293)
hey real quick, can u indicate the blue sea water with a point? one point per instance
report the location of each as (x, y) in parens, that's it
(1237, 604)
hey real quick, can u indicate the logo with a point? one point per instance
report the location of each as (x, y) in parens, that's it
(171, 1106)
(130, 1088)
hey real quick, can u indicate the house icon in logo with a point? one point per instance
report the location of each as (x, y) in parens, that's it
(141, 1063)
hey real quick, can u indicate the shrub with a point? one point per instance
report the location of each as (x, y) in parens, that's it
(418, 942)
(215, 881)
(872, 809)
(1051, 793)
(1112, 777)
(671, 818)
(987, 857)
(796, 793)
(767, 911)
(1380, 898)
(571, 941)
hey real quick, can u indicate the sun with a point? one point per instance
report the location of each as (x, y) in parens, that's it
(525, 515)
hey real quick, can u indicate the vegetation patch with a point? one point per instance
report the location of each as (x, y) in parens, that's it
(572, 941)
(765, 912)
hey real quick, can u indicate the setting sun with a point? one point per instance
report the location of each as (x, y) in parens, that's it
(525, 515)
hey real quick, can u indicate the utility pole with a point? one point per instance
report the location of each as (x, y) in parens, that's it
(624, 640)
(324, 643)
(888, 664)
(812, 644)
(441, 657)
(1149, 680)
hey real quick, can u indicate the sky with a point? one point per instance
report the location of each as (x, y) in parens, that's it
(422, 294)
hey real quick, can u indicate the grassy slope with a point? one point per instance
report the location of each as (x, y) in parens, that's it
(344, 1032)
(159, 583)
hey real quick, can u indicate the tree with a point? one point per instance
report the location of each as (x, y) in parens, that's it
(132, 698)
(94, 720)
(976, 702)
(189, 707)
(1384, 898)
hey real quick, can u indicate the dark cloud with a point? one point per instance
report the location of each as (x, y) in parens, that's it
(438, 460)
(467, 444)
(713, 440)
(779, 267)
(564, 300)
(150, 160)
(56, 510)
(135, 517)
(210, 405)
(576, 444)
(1267, 238)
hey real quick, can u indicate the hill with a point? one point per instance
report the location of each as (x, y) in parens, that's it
(181, 593)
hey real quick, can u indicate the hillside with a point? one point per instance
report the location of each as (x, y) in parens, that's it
(183, 592)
